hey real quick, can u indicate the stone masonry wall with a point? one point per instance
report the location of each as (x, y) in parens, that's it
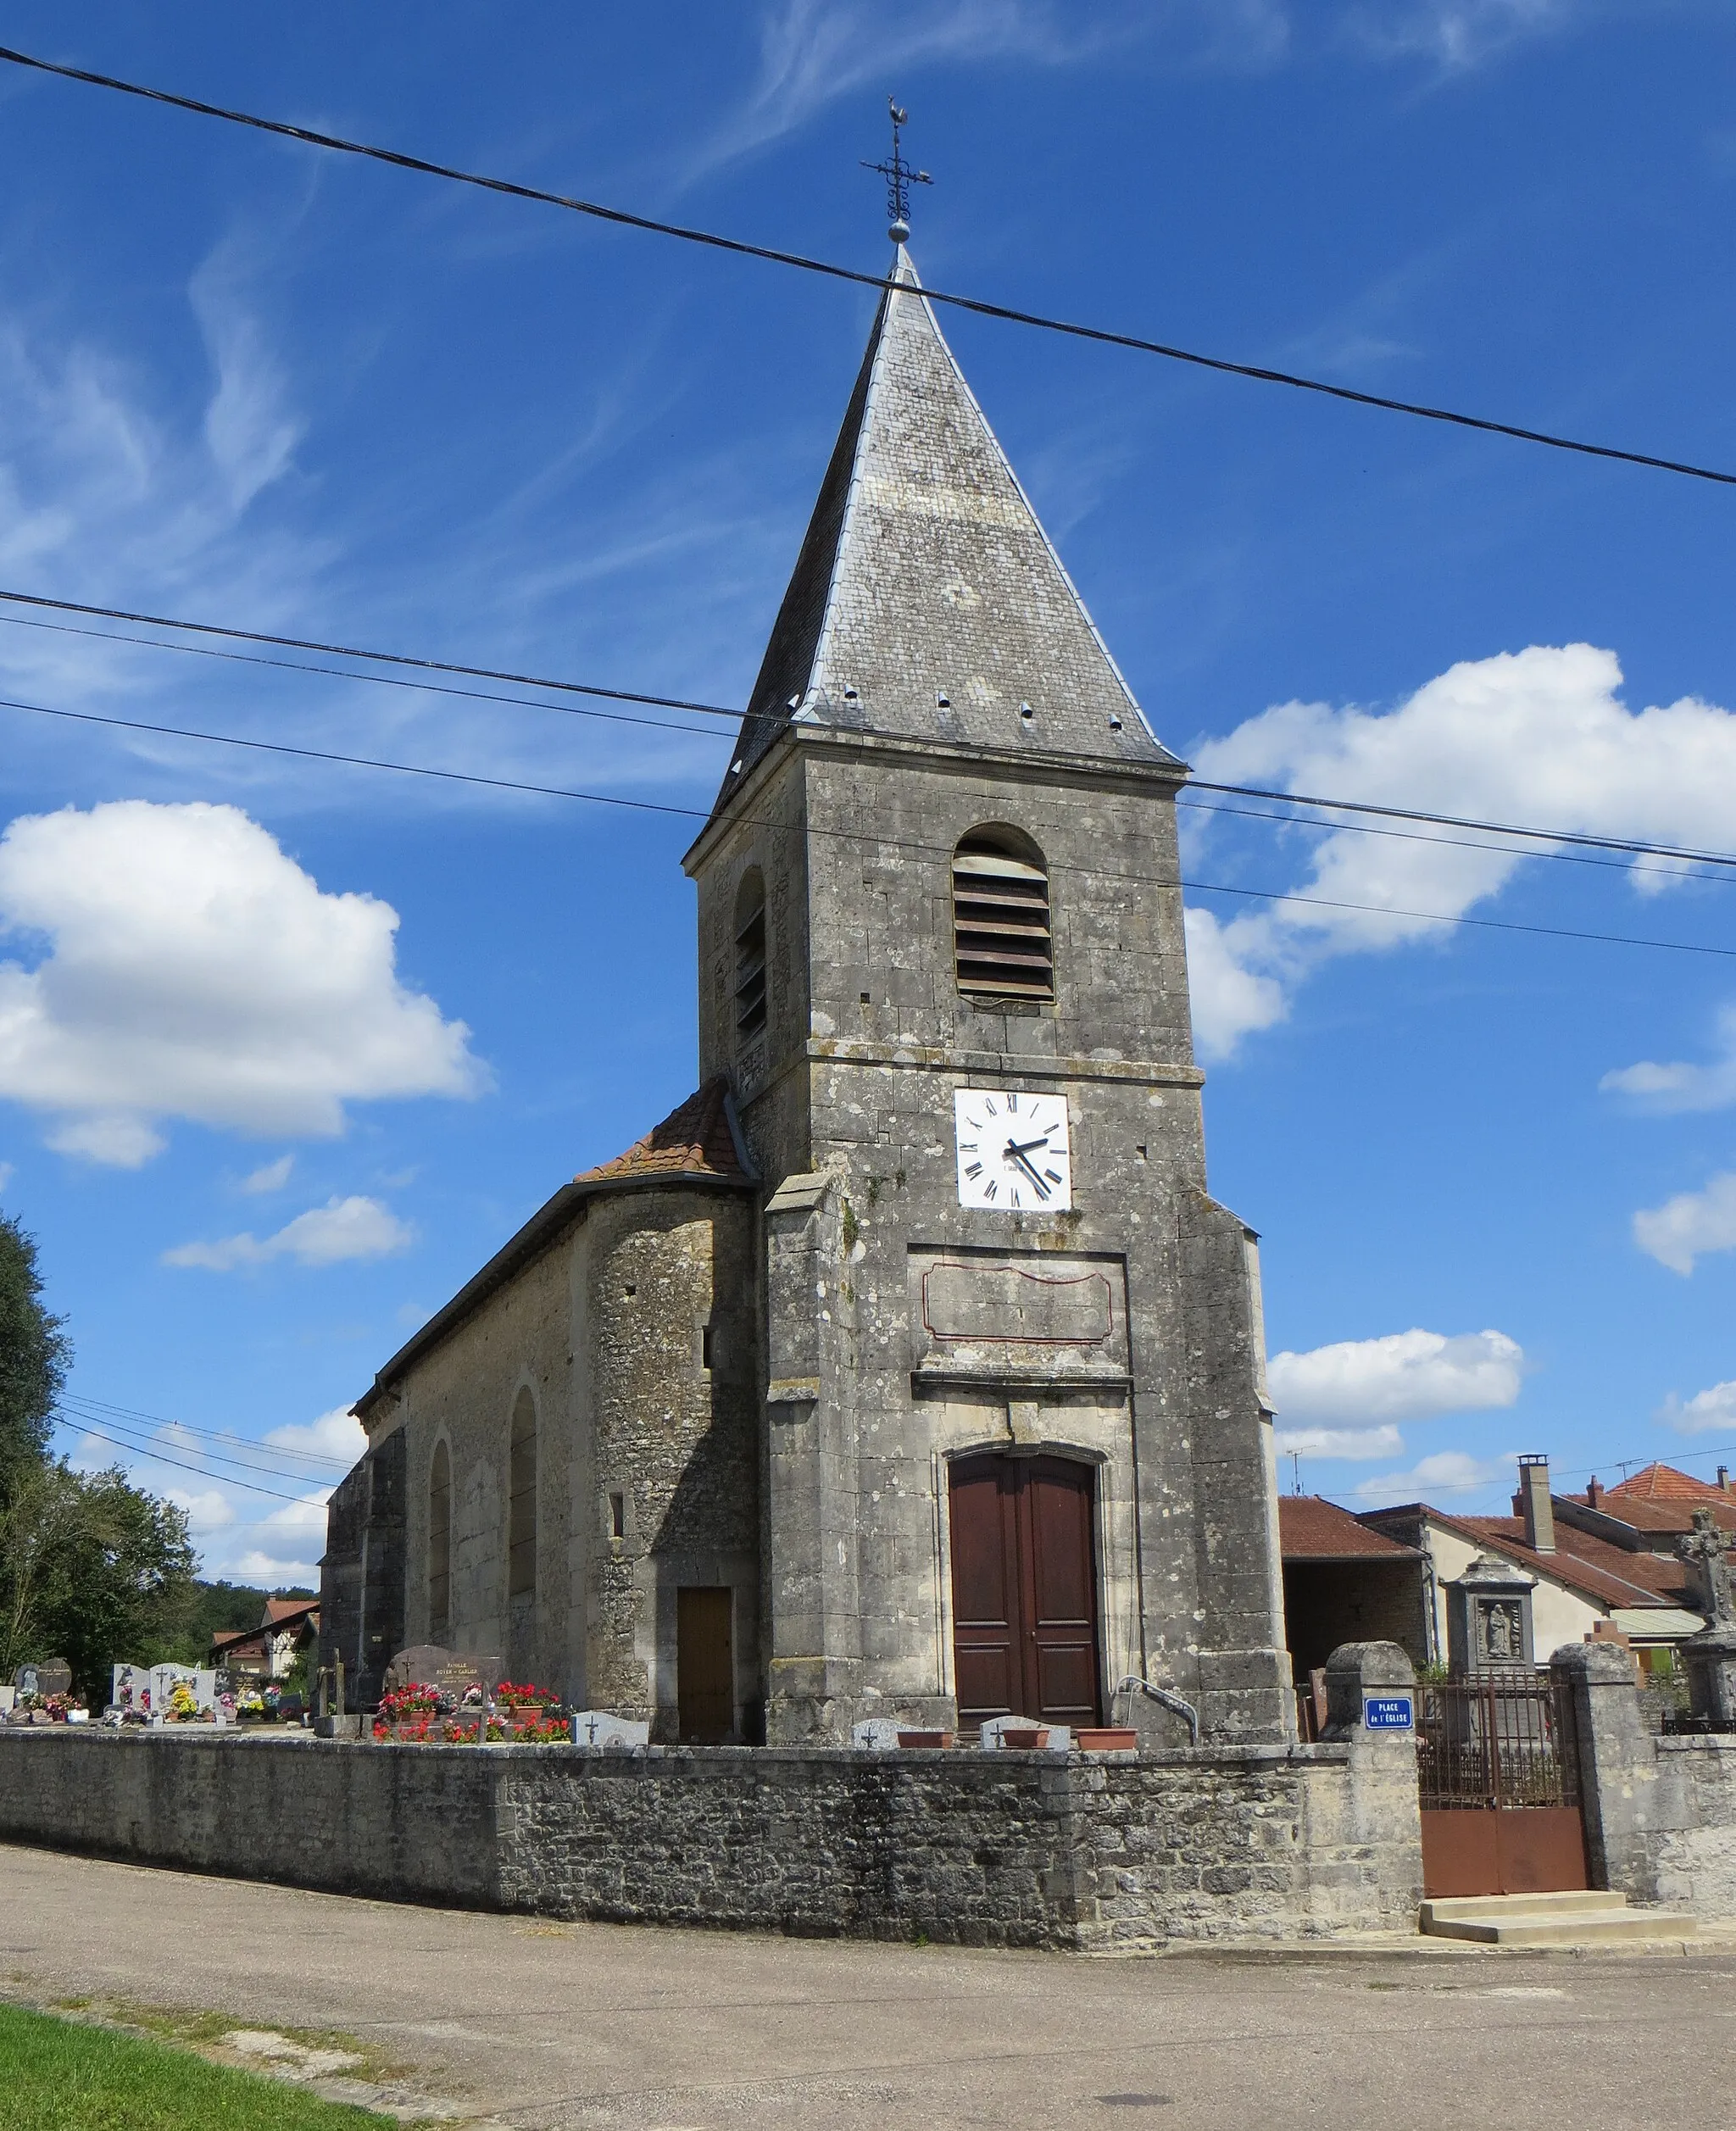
(1024, 1849)
(1660, 1813)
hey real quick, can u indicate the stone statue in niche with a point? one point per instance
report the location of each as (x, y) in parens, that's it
(1502, 1632)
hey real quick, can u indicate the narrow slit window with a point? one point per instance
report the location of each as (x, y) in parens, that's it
(440, 1544)
(1001, 937)
(521, 1545)
(617, 1514)
(750, 956)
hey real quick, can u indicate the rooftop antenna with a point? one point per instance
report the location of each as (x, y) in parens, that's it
(899, 177)
(1295, 1473)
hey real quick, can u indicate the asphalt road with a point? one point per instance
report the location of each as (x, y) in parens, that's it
(533, 2024)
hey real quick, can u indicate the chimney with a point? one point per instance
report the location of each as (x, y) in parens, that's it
(1534, 1506)
(1594, 1494)
(1724, 1479)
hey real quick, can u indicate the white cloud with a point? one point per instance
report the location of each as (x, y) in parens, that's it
(1455, 33)
(1383, 1442)
(273, 1176)
(327, 1235)
(1682, 1086)
(1538, 736)
(812, 52)
(195, 971)
(295, 1522)
(1228, 1001)
(1446, 1472)
(270, 1570)
(1403, 1376)
(1690, 1226)
(1712, 1408)
(337, 1434)
(209, 1511)
(248, 431)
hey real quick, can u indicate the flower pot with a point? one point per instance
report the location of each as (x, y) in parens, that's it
(1105, 1738)
(1022, 1741)
(924, 1738)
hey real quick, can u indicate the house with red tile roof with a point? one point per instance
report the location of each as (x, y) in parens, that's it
(269, 1651)
(1346, 1583)
(1587, 1582)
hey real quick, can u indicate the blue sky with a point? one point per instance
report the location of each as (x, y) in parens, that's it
(274, 1080)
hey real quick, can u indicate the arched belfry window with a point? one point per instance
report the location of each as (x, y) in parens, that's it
(439, 1543)
(750, 954)
(522, 1541)
(1001, 937)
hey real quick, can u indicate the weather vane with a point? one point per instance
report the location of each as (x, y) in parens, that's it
(899, 177)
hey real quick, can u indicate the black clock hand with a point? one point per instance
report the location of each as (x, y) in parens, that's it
(1019, 1156)
(1024, 1147)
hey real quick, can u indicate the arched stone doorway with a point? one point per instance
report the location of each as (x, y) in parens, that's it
(1024, 1562)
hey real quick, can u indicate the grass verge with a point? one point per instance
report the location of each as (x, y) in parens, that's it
(62, 2075)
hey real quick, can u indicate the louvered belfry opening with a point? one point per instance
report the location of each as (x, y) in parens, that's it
(750, 956)
(1000, 917)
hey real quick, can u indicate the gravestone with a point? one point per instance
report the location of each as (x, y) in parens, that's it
(165, 1678)
(130, 1692)
(45, 1676)
(598, 1727)
(452, 1672)
(876, 1734)
(1060, 1737)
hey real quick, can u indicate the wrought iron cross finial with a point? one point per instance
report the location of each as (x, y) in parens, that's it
(899, 175)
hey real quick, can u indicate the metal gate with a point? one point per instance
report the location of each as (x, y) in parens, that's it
(1497, 1762)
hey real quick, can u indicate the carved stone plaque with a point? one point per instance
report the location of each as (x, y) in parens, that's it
(1035, 1317)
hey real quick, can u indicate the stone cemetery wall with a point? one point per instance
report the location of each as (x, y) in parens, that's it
(1660, 1813)
(1004, 1849)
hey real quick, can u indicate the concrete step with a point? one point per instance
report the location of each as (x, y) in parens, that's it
(1566, 1902)
(1582, 1919)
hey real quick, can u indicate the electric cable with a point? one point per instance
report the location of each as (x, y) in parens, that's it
(701, 814)
(737, 247)
(112, 1414)
(72, 1422)
(666, 725)
(275, 1468)
(1531, 833)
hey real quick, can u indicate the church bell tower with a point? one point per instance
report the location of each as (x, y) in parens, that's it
(1017, 1449)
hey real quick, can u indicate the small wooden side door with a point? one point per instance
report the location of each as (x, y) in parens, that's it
(705, 1672)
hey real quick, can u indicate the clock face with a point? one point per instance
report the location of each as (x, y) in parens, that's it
(1014, 1153)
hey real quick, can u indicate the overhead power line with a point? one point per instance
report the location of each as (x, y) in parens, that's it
(653, 226)
(279, 1451)
(96, 1435)
(275, 1463)
(699, 813)
(1632, 848)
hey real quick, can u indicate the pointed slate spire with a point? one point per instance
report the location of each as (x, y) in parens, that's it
(927, 601)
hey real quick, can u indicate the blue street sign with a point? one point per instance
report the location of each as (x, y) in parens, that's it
(1388, 1712)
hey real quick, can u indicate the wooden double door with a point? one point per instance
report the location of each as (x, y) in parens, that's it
(1025, 1627)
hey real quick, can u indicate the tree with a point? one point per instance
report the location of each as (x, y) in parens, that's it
(34, 1354)
(92, 1570)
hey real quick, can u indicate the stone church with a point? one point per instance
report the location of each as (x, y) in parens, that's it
(908, 1370)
